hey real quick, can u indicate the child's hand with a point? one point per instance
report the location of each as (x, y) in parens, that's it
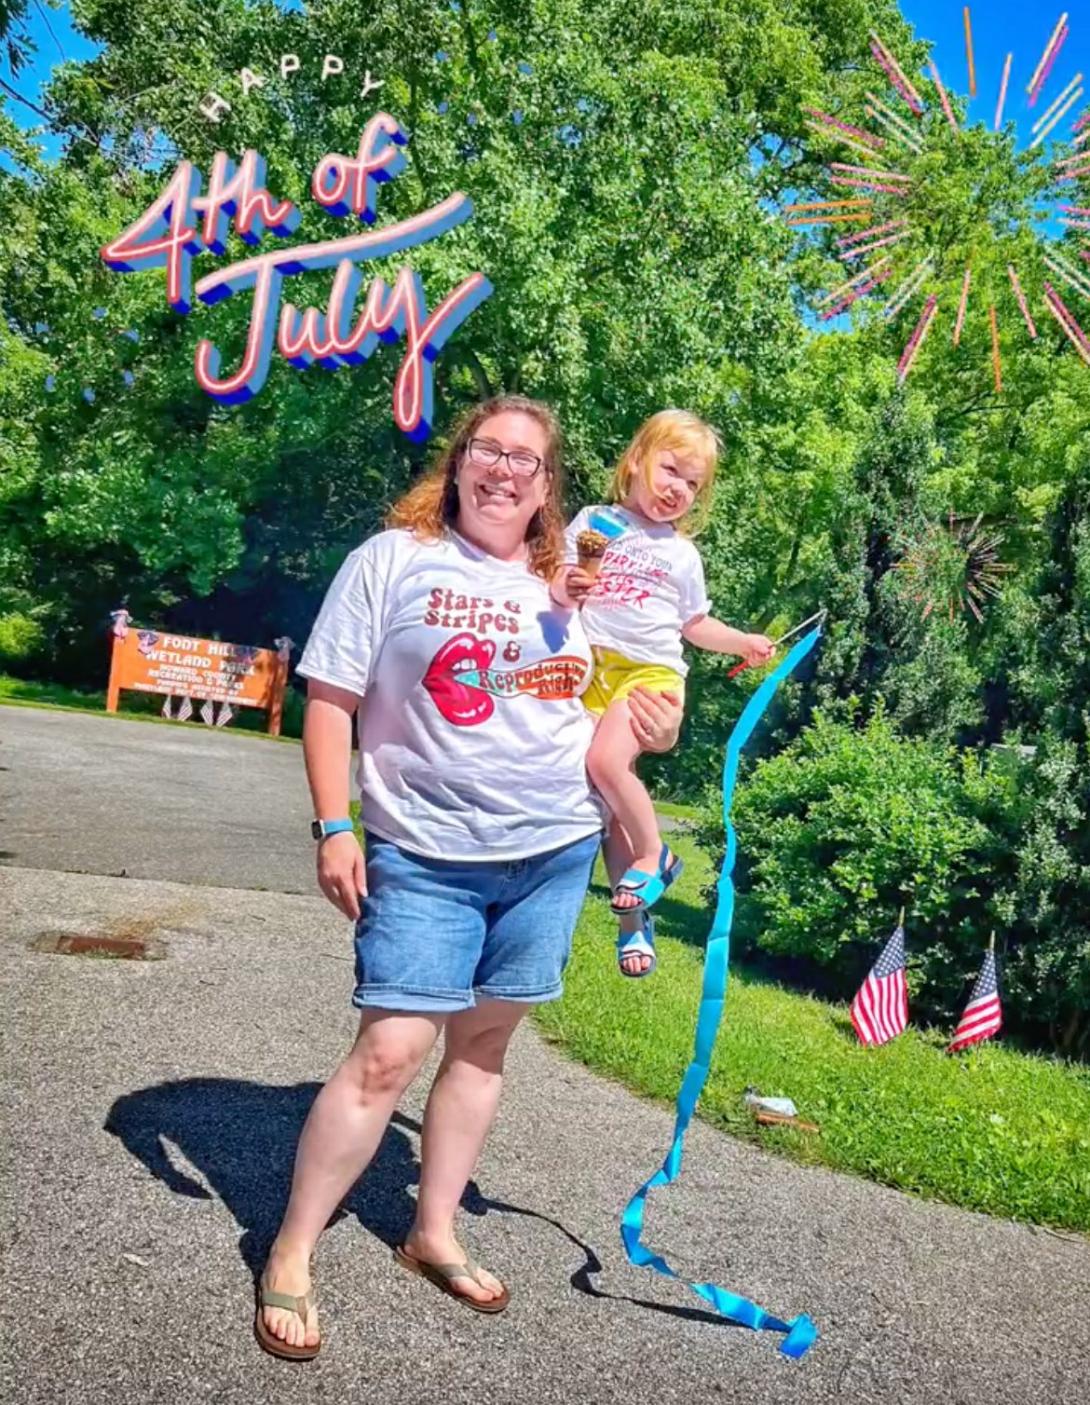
(757, 649)
(579, 584)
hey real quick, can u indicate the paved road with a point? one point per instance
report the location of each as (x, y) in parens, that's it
(149, 1116)
(89, 793)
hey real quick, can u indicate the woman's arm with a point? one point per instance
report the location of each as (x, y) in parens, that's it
(719, 638)
(327, 750)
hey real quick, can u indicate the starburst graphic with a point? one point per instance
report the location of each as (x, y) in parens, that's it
(948, 212)
(952, 566)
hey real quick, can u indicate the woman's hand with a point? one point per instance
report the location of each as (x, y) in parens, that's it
(580, 583)
(342, 876)
(656, 719)
(571, 586)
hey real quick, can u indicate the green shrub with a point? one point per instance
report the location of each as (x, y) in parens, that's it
(20, 636)
(1045, 907)
(848, 824)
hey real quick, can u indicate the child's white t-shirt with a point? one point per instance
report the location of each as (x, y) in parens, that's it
(473, 740)
(650, 585)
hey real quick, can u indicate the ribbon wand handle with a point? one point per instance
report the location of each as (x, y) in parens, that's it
(738, 667)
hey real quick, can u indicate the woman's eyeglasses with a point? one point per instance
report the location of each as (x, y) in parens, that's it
(521, 462)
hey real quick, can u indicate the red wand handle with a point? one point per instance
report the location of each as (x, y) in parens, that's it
(738, 667)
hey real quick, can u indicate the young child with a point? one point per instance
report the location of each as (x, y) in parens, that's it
(641, 588)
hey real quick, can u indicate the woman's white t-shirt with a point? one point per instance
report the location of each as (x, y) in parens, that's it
(650, 585)
(473, 740)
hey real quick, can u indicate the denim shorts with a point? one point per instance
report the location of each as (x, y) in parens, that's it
(434, 934)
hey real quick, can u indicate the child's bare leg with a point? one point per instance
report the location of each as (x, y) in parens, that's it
(617, 851)
(611, 763)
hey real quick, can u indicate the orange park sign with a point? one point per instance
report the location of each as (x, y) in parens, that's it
(197, 671)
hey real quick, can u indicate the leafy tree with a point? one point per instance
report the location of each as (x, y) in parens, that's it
(16, 41)
(1044, 677)
(609, 157)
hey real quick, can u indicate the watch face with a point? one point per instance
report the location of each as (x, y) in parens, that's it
(316, 829)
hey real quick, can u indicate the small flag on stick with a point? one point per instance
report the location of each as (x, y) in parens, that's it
(166, 708)
(880, 1010)
(983, 1015)
(185, 710)
(208, 712)
(224, 715)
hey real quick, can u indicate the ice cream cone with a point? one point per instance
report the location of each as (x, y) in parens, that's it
(591, 548)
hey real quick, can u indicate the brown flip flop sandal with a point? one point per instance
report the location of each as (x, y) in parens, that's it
(301, 1306)
(442, 1275)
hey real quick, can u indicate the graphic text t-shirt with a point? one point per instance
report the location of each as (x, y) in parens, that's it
(473, 740)
(651, 583)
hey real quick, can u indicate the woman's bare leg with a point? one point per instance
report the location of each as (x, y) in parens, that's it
(339, 1138)
(460, 1109)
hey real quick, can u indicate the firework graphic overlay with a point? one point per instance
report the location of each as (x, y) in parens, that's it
(952, 566)
(942, 218)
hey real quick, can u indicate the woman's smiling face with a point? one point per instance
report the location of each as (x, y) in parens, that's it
(495, 501)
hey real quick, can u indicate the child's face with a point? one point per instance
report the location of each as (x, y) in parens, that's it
(675, 481)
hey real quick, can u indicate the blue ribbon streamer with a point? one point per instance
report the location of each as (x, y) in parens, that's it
(801, 1332)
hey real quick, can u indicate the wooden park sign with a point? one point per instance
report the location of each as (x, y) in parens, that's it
(208, 671)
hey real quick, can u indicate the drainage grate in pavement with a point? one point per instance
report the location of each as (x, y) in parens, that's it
(82, 944)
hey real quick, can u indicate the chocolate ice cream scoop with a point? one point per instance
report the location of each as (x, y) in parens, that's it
(591, 547)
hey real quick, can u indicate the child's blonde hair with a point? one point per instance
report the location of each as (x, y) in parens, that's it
(684, 433)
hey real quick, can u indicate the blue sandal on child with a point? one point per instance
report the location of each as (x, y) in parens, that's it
(647, 887)
(641, 943)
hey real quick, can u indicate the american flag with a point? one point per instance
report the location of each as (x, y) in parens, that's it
(225, 714)
(166, 712)
(982, 1016)
(185, 710)
(880, 1009)
(208, 711)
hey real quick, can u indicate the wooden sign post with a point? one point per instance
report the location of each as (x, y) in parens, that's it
(152, 661)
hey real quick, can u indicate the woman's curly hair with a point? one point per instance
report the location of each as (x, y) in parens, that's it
(430, 507)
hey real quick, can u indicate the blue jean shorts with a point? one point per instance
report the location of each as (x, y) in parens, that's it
(434, 934)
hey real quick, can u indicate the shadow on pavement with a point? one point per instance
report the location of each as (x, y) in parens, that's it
(241, 1138)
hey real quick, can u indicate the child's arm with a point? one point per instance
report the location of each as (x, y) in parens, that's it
(719, 638)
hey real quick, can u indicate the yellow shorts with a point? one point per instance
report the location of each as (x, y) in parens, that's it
(615, 677)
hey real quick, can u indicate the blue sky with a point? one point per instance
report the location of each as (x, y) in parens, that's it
(57, 39)
(999, 27)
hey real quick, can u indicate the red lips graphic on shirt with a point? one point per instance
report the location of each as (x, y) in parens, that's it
(460, 703)
(462, 682)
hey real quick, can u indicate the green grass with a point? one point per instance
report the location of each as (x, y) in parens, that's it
(54, 697)
(19, 690)
(675, 811)
(996, 1129)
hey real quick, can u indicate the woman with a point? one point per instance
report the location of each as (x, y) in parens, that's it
(481, 829)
